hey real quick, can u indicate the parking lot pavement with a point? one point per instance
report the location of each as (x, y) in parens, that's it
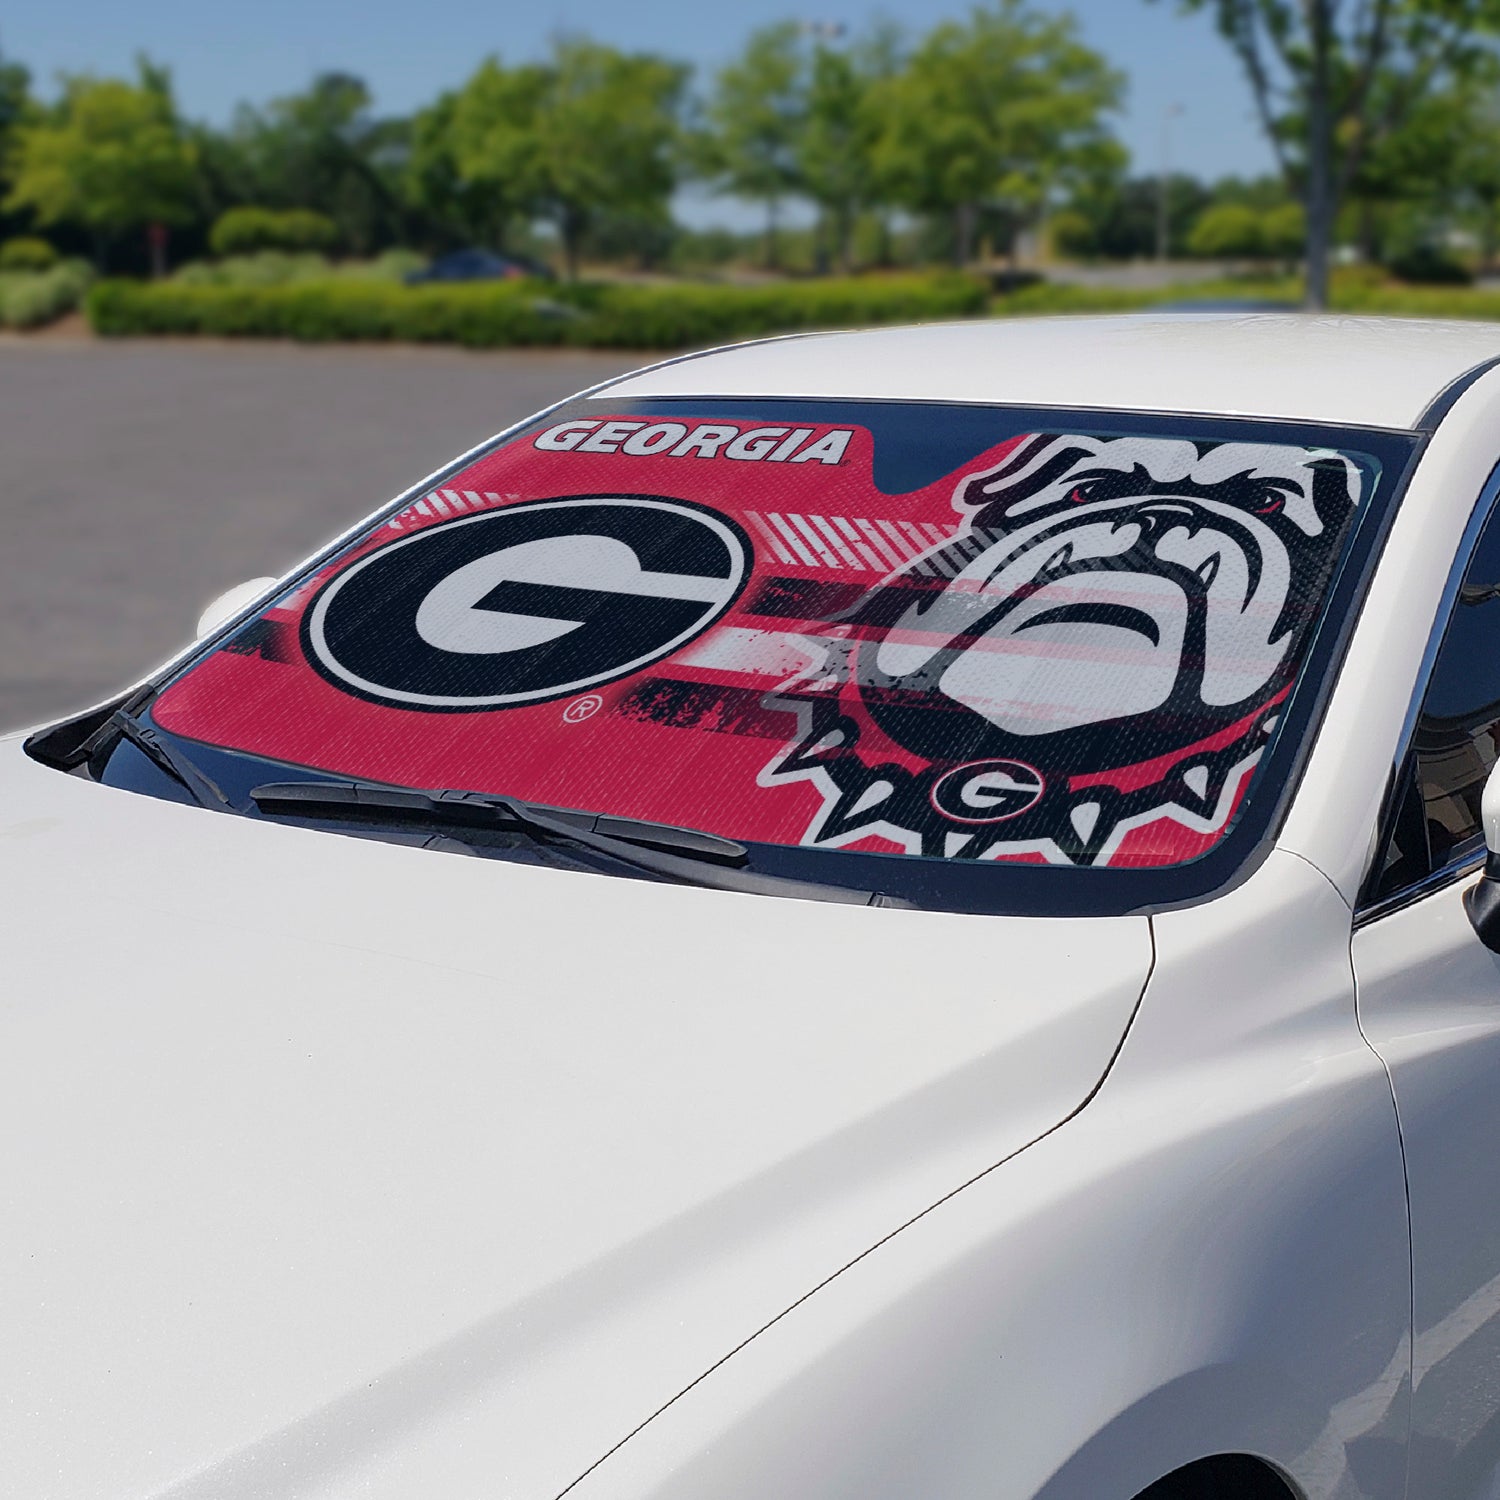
(137, 480)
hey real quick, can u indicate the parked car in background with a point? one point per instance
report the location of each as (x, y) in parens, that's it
(890, 914)
(478, 265)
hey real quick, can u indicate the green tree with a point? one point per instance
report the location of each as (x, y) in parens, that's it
(1284, 230)
(1228, 230)
(456, 208)
(1332, 83)
(608, 137)
(1072, 233)
(1475, 166)
(110, 156)
(323, 149)
(755, 118)
(247, 230)
(996, 111)
(592, 131)
(1441, 169)
(835, 149)
(16, 106)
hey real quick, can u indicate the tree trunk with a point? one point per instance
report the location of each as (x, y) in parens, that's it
(156, 243)
(1369, 250)
(965, 220)
(773, 252)
(571, 226)
(1320, 204)
(845, 239)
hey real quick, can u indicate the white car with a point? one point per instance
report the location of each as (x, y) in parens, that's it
(877, 916)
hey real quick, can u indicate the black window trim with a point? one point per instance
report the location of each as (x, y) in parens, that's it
(1469, 857)
(1445, 400)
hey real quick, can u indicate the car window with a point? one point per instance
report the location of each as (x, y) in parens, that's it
(1457, 734)
(925, 634)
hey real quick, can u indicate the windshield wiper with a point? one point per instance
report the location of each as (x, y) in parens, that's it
(159, 751)
(687, 855)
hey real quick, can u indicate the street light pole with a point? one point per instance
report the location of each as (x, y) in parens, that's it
(823, 34)
(1164, 182)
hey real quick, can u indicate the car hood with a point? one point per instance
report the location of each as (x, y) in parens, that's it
(338, 1167)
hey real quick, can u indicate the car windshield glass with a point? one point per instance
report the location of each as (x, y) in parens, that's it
(932, 634)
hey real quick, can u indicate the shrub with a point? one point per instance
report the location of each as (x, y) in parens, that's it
(498, 314)
(243, 231)
(1397, 300)
(28, 299)
(1046, 298)
(283, 268)
(389, 265)
(1052, 297)
(1361, 276)
(1072, 233)
(1227, 230)
(350, 308)
(1284, 231)
(1430, 265)
(26, 252)
(263, 268)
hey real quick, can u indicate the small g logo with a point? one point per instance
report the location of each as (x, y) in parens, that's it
(988, 791)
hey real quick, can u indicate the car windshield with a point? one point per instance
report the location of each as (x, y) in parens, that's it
(937, 643)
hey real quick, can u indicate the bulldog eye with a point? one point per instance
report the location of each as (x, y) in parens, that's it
(1089, 489)
(1110, 484)
(1268, 501)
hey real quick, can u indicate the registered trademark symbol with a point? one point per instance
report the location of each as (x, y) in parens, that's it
(582, 708)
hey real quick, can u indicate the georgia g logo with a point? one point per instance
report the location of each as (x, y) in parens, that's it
(988, 791)
(525, 603)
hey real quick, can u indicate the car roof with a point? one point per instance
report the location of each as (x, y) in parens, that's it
(1379, 372)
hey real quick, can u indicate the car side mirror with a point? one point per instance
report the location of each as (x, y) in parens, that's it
(1482, 901)
(230, 603)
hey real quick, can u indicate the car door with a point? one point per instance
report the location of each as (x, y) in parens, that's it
(1429, 1003)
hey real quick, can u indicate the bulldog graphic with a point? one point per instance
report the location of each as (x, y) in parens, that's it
(1103, 643)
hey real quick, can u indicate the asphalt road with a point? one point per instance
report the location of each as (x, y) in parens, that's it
(138, 480)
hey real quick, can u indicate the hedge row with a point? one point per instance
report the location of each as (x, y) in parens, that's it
(1045, 298)
(283, 267)
(30, 299)
(495, 315)
(1356, 290)
(1063, 297)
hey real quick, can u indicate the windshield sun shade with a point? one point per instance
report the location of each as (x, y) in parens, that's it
(1068, 644)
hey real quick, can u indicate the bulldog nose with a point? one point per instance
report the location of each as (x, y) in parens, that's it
(1157, 517)
(1163, 512)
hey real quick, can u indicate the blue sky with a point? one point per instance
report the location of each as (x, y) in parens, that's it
(220, 53)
